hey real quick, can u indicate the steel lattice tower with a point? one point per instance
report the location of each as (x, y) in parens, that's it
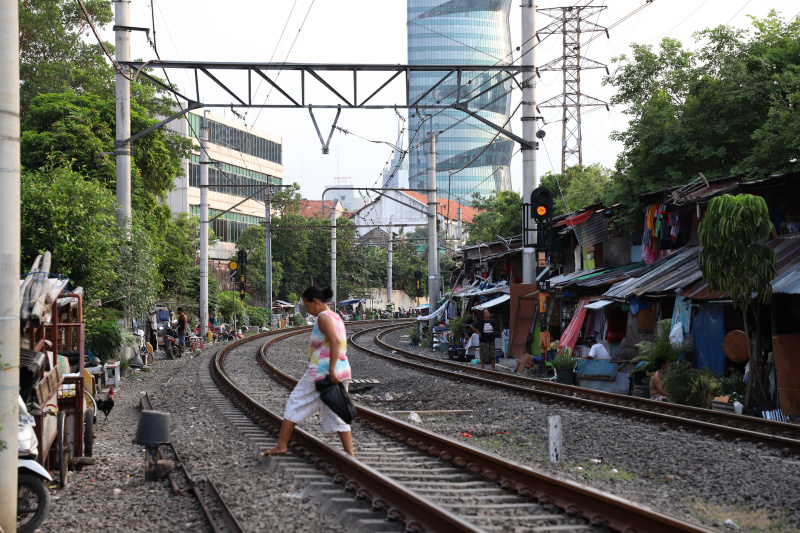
(571, 23)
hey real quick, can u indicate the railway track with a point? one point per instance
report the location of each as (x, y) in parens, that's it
(215, 508)
(720, 425)
(427, 482)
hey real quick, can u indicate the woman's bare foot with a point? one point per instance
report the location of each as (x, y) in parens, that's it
(274, 451)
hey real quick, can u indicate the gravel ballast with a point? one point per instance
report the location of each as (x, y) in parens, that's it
(691, 477)
(261, 500)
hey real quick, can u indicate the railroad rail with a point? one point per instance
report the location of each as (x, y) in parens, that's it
(416, 511)
(215, 508)
(720, 425)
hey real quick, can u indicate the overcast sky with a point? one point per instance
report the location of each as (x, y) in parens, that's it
(374, 31)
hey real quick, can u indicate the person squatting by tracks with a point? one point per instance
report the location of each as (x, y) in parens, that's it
(327, 350)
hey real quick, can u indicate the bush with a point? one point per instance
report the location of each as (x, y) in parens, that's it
(690, 386)
(105, 340)
(298, 320)
(259, 316)
(733, 386)
(564, 360)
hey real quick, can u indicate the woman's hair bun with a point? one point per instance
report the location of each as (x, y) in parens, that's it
(327, 293)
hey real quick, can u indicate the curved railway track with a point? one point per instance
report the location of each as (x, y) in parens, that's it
(430, 483)
(702, 421)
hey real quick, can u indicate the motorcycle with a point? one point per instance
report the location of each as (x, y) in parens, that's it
(33, 496)
(171, 346)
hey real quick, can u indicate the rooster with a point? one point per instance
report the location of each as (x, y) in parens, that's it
(108, 404)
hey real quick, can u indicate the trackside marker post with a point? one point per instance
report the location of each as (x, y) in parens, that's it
(555, 439)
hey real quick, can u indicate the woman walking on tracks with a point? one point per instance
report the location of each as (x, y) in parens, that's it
(328, 350)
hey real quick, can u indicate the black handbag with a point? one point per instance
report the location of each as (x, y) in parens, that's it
(336, 398)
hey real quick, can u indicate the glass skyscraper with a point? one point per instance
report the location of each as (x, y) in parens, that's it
(470, 157)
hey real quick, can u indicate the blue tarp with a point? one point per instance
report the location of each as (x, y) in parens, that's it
(590, 367)
(351, 302)
(709, 332)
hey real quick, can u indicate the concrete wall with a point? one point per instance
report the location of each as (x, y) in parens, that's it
(378, 299)
(616, 250)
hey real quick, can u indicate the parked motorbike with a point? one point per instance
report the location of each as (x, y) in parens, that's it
(171, 346)
(33, 496)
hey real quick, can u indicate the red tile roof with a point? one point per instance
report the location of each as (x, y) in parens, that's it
(447, 208)
(313, 209)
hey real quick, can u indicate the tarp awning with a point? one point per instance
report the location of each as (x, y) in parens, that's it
(492, 303)
(599, 304)
(351, 302)
(281, 303)
(435, 313)
(570, 335)
(423, 306)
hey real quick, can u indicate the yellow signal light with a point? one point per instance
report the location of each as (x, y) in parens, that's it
(541, 210)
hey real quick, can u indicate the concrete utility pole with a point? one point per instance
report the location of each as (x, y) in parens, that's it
(389, 263)
(268, 243)
(529, 178)
(122, 147)
(9, 259)
(204, 225)
(333, 254)
(459, 229)
(433, 236)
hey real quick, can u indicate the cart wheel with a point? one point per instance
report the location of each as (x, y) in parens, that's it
(88, 433)
(63, 450)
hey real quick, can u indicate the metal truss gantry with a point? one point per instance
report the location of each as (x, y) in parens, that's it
(461, 87)
(571, 23)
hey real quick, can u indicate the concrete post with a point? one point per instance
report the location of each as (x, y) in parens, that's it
(9, 259)
(268, 243)
(556, 452)
(122, 43)
(389, 263)
(204, 226)
(433, 237)
(529, 178)
(333, 255)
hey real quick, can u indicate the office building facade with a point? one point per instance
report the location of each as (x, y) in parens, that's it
(470, 156)
(240, 156)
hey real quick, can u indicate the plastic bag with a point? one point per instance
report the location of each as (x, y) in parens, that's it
(336, 398)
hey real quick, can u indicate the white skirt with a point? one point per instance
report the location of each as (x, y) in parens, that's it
(304, 402)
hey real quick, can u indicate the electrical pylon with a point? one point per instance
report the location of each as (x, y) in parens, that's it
(571, 23)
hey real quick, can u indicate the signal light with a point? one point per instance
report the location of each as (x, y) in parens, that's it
(541, 203)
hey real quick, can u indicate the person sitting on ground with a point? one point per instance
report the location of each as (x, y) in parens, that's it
(657, 391)
(486, 328)
(596, 350)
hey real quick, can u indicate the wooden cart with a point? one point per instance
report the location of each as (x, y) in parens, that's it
(63, 422)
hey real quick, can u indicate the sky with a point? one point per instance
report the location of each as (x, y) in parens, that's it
(374, 31)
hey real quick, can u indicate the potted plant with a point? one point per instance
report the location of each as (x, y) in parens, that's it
(564, 365)
(104, 339)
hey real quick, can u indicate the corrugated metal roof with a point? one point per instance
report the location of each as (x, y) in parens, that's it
(610, 276)
(667, 273)
(564, 279)
(787, 272)
(590, 232)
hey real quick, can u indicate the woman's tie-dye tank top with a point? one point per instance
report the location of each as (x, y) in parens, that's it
(319, 351)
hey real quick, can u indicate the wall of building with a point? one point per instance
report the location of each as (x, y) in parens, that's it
(616, 250)
(378, 299)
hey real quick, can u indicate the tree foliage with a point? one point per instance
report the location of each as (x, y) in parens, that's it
(735, 257)
(727, 108)
(75, 219)
(500, 214)
(581, 186)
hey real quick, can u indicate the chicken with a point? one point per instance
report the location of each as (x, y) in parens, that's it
(108, 404)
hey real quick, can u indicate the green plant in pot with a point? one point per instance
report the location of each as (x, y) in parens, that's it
(457, 330)
(564, 364)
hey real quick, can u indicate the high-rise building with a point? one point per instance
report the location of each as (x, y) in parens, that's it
(470, 156)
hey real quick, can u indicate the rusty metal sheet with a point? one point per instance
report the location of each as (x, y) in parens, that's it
(787, 363)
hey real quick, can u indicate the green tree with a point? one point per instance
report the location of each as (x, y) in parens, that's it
(75, 219)
(500, 214)
(178, 257)
(55, 55)
(736, 259)
(727, 108)
(581, 186)
(232, 307)
(193, 289)
(137, 278)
